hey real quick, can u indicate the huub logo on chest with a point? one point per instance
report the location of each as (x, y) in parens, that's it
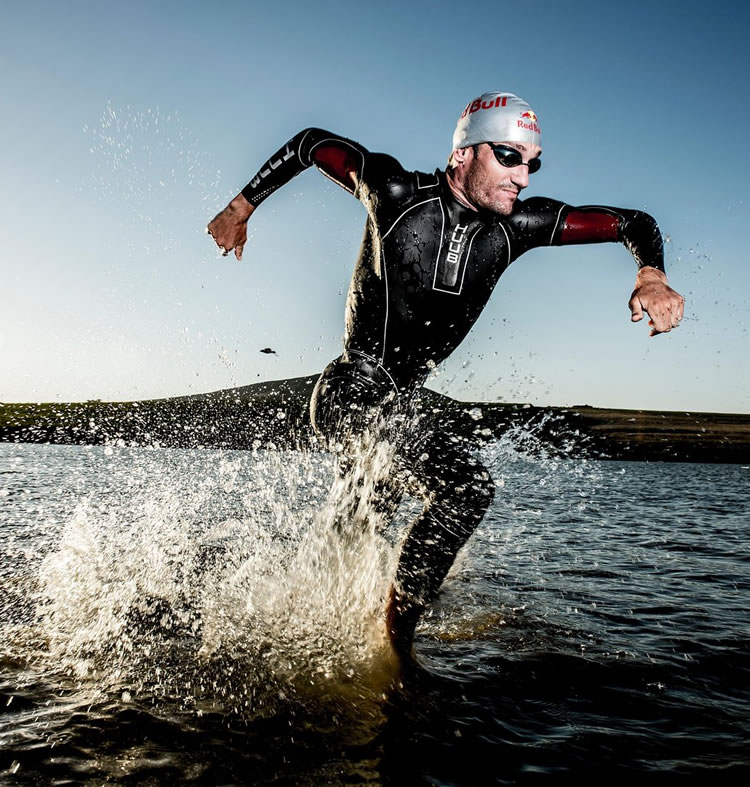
(456, 243)
(449, 267)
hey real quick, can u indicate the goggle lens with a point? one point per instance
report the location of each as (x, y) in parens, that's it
(510, 157)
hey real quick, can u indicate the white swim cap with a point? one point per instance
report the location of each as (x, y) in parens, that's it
(497, 117)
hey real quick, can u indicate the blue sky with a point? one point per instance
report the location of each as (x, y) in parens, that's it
(126, 127)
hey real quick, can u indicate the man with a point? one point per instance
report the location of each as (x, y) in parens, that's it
(434, 247)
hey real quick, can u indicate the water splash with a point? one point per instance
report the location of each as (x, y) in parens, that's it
(148, 161)
(245, 599)
(236, 581)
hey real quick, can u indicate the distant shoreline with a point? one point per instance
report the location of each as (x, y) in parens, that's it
(275, 414)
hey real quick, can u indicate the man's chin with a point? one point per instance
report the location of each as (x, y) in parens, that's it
(502, 205)
(505, 202)
(504, 208)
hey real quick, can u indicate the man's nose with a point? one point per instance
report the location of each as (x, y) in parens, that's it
(520, 176)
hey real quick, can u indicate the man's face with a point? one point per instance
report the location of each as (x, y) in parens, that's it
(488, 184)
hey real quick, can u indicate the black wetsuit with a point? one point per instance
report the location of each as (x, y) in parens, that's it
(426, 269)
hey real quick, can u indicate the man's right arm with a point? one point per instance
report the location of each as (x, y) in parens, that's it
(338, 158)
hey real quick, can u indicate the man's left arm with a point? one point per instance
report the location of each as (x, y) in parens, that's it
(638, 232)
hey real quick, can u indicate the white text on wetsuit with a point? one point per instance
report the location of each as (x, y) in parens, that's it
(454, 247)
(446, 275)
(265, 171)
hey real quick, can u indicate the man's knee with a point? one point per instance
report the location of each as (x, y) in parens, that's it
(482, 490)
(471, 492)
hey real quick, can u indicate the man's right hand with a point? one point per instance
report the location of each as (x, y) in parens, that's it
(229, 228)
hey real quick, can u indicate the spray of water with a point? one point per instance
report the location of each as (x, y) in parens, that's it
(243, 582)
(239, 584)
(148, 161)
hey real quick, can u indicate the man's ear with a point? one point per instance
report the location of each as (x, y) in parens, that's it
(461, 154)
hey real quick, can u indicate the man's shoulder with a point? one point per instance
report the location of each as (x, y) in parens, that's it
(416, 185)
(534, 213)
(536, 205)
(386, 175)
(535, 221)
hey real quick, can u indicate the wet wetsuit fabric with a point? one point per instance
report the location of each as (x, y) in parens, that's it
(355, 397)
(428, 264)
(426, 269)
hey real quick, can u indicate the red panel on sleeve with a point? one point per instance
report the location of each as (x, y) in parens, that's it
(589, 227)
(337, 163)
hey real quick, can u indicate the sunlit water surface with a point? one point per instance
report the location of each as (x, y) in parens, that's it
(191, 616)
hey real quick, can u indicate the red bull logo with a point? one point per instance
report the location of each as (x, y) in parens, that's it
(528, 126)
(528, 122)
(478, 104)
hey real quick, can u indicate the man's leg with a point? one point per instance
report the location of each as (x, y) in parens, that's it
(457, 491)
(349, 412)
(366, 491)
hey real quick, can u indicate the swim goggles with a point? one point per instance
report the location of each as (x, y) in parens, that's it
(510, 157)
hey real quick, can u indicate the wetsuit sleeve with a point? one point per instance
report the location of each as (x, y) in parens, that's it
(563, 225)
(340, 159)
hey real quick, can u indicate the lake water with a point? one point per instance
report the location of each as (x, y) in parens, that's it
(187, 616)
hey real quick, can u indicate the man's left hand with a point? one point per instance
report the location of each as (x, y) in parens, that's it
(654, 296)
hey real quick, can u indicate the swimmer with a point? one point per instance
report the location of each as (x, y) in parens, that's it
(435, 246)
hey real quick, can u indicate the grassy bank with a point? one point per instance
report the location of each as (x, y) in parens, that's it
(276, 414)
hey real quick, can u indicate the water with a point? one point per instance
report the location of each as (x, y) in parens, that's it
(187, 616)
